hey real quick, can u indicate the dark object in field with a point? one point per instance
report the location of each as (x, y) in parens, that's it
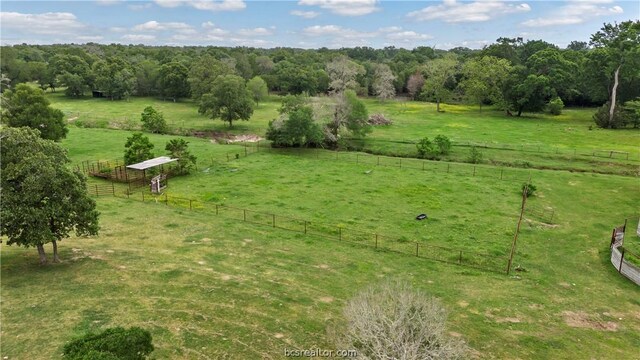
(421, 217)
(379, 119)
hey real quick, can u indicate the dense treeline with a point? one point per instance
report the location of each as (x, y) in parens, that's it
(519, 76)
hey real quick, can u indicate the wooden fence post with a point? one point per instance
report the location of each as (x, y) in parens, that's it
(400, 163)
(113, 189)
(244, 214)
(621, 260)
(305, 226)
(376, 241)
(460, 257)
(274, 219)
(416, 249)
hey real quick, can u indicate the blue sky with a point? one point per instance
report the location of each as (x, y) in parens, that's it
(307, 23)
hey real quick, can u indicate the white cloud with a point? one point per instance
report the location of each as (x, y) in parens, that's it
(90, 38)
(408, 36)
(305, 14)
(472, 44)
(452, 11)
(210, 5)
(117, 29)
(575, 12)
(139, 38)
(47, 23)
(344, 7)
(339, 36)
(141, 6)
(336, 31)
(260, 31)
(152, 26)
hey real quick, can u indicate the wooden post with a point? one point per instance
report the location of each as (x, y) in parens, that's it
(244, 215)
(305, 226)
(274, 219)
(416, 249)
(515, 237)
(227, 156)
(113, 189)
(460, 257)
(376, 241)
(621, 260)
(400, 163)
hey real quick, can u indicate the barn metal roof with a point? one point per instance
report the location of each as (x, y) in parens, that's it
(151, 163)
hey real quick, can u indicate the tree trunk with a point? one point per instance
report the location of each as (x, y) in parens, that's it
(56, 259)
(613, 94)
(43, 256)
(519, 112)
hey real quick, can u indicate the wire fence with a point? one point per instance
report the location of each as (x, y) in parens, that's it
(530, 148)
(475, 259)
(457, 169)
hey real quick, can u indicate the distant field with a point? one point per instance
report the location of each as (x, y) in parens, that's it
(535, 140)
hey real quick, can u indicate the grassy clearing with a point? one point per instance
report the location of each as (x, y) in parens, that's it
(534, 141)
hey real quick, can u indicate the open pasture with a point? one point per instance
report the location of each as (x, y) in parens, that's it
(565, 142)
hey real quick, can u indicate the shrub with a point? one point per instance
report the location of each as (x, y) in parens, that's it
(601, 117)
(475, 156)
(179, 149)
(115, 343)
(530, 189)
(555, 106)
(427, 149)
(153, 121)
(443, 143)
(395, 321)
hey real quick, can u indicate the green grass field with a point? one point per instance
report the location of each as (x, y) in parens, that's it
(209, 287)
(562, 142)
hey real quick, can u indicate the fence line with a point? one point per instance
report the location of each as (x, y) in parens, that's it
(626, 262)
(602, 153)
(475, 259)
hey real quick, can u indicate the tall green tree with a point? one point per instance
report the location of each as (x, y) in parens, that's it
(343, 73)
(228, 101)
(484, 79)
(179, 149)
(172, 80)
(138, 148)
(531, 94)
(438, 74)
(153, 121)
(622, 45)
(350, 116)
(258, 88)
(383, 79)
(43, 200)
(27, 106)
(203, 74)
(114, 77)
(299, 129)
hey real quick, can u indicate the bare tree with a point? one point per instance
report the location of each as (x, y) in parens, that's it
(383, 82)
(343, 73)
(395, 321)
(414, 84)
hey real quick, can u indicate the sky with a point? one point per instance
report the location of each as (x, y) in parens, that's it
(441, 24)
